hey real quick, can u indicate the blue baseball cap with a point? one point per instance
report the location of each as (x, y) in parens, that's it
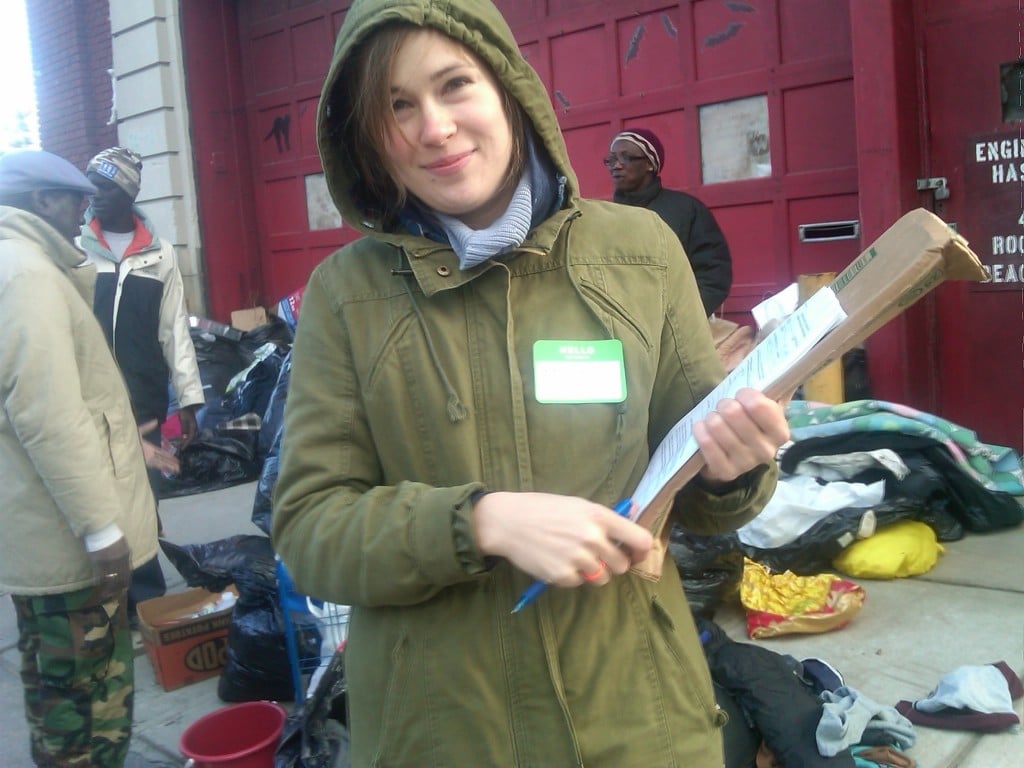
(29, 170)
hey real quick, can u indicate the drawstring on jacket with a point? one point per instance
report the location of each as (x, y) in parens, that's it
(455, 409)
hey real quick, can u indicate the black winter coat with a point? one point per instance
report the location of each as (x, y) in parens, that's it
(697, 230)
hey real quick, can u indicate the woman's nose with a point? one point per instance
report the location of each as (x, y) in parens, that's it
(437, 126)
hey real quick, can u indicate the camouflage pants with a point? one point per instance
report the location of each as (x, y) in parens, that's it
(77, 672)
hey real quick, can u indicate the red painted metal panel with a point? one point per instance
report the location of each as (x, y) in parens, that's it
(649, 51)
(732, 37)
(227, 213)
(885, 59)
(287, 49)
(587, 145)
(518, 11)
(312, 44)
(581, 69)
(812, 256)
(811, 29)
(819, 125)
(979, 326)
(749, 230)
(270, 62)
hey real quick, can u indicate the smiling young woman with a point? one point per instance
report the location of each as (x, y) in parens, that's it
(474, 384)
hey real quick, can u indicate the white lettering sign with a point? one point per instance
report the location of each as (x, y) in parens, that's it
(1002, 149)
(1005, 273)
(995, 153)
(1007, 244)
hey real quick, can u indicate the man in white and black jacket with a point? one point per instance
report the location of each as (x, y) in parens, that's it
(140, 304)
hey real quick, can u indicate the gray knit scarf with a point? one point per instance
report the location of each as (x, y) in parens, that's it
(475, 246)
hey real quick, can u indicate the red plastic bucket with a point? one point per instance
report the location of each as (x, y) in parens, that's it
(239, 736)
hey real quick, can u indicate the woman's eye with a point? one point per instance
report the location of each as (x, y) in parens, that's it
(400, 104)
(456, 83)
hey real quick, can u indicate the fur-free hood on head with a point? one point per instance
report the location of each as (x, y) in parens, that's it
(479, 26)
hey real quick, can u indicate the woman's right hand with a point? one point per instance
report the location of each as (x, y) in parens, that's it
(558, 539)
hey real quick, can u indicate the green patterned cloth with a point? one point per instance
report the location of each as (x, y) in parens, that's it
(994, 467)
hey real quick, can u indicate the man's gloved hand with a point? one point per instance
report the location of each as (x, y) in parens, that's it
(112, 567)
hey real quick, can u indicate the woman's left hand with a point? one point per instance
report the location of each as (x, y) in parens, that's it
(742, 432)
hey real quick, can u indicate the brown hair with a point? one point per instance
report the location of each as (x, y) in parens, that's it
(361, 105)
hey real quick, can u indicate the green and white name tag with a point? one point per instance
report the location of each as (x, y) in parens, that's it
(579, 371)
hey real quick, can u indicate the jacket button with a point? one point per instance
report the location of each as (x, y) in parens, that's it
(443, 271)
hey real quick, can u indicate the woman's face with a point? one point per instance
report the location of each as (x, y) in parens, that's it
(450, 144)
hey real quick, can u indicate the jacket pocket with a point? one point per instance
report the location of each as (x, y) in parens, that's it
(399, 709)
(617, 313)
(119, 448)
(696, 677)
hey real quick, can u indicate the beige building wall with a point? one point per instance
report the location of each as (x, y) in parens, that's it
(151, 111)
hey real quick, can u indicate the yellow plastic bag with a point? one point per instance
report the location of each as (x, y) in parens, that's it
(906, 548)
(785, 603)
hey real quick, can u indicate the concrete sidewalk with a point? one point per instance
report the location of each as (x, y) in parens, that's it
(968, 610)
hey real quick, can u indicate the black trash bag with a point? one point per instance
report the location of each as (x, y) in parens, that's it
(248, 559)
(219, 360)
(274, 331)
(273, 416)
(315, 734)
(252, 393)
(211, 461)
(262, 505)
(257, 665)
(711, 568)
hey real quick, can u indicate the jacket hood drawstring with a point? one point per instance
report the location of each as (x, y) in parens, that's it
(455, 409)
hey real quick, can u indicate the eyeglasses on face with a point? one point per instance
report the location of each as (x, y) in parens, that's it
(621, 159)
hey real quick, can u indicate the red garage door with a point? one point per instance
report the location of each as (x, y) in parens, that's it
(753, 100)
(286, 49)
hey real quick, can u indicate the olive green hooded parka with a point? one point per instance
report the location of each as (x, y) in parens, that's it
(412, 387)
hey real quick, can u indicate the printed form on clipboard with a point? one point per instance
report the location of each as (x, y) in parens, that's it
(793, 338)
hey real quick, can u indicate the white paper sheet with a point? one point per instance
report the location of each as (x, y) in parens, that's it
(783, 347)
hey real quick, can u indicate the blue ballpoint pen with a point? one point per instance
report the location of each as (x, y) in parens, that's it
(533, 591)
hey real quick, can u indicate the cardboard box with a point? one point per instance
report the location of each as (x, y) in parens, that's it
(911, 258)
(182, 647)
(247, 319)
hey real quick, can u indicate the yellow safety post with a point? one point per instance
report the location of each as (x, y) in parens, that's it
(825, 386)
